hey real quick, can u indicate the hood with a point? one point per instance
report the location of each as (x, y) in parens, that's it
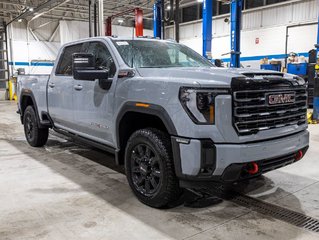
(206, 77)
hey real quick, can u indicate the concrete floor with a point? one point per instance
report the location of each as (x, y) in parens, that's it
(67, 191)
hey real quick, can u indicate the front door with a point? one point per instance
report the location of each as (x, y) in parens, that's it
(60, 90)
(93, 110)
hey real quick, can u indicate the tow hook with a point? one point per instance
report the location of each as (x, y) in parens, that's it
(252, 168)
(299, 155)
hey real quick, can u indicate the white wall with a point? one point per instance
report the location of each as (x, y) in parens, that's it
(268, 24)
(29, 50)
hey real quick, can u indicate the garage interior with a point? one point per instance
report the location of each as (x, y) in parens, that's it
(70, 190)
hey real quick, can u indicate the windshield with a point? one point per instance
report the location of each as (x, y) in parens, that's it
(158, 54)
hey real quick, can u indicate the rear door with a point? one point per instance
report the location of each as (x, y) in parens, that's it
(93, 105)
(60, 90)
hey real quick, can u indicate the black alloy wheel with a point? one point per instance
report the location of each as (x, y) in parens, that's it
(149, 167)
(146, 169)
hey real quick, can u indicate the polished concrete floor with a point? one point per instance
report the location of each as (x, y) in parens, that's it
(65, 191)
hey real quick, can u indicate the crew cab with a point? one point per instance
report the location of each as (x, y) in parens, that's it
(168, 114)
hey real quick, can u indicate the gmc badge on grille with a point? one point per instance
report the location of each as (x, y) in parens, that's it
(281, 98)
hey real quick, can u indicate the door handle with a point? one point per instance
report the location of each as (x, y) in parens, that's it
(51, 85)
(78, 87)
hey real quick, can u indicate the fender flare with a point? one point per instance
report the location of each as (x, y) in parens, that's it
(152, 109)
(29, 93)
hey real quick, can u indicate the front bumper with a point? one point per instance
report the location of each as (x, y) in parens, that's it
(201, 159)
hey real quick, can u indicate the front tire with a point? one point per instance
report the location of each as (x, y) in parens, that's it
(36, 137)
(150, 169)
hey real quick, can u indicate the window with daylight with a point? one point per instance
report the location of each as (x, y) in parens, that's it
(190, 13)
(254, 3)
(275, 1)
(224, 8)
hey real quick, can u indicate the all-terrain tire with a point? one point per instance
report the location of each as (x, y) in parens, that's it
(36, 137)
(157, 163)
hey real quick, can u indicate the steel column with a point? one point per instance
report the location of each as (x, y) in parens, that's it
(317, 45)
(101, 18)
(157, 19)
(138, 22)
(207, 28)
(95, 18)
(163, 18)
(236, 12)
(90, 18)
(177, 20)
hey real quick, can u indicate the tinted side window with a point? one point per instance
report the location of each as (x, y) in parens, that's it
(103, 57)
(65, 64)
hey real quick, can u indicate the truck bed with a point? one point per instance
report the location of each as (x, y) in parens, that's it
(38, 84)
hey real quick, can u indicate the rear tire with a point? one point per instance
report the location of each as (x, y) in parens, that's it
(36, 137)
(150, 169)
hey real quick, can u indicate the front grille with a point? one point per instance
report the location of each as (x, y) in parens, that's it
(252, 113)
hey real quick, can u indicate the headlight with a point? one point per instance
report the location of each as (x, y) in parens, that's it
(200, 103)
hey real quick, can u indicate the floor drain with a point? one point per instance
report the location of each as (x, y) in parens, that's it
(284, 214)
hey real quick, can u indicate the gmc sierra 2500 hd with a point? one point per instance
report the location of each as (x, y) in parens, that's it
(168, 114)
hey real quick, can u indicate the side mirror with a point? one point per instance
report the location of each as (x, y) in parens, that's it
(83, 65)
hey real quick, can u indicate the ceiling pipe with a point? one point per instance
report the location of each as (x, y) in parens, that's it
(40, 14)
(90, 19)
(101, 18)
(27, 13)
(177, 20)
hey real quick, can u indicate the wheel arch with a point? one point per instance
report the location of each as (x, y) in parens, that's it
(132, 117)
(26, 99)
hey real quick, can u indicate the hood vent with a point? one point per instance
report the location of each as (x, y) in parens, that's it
(262, 74)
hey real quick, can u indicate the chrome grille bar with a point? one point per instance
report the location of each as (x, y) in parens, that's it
(252, 113)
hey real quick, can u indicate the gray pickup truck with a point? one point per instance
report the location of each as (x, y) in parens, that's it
(168, 114)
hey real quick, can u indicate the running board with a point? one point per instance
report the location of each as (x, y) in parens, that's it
(87, 141)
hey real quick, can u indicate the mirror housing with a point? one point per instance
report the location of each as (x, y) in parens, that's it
(84, 68)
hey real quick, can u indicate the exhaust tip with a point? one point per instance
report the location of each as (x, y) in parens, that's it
(252, 168)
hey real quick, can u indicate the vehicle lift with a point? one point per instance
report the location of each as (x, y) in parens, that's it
(315, 116)
(159, 19)
(236, 13)
(236, 16)
(138, 21)
(207, 28)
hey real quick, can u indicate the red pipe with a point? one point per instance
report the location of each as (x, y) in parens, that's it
(138, 22)
(108, 27)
